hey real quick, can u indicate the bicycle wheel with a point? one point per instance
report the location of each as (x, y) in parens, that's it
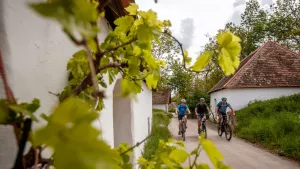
(228, 132)
(183, 131)
(205, 131)
(220, 131)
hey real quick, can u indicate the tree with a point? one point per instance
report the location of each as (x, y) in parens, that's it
(284, 23)
(127, 51)
(281, 24)
(180, 80)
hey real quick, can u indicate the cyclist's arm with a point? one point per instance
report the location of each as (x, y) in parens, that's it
(217, 109)
(176, 112)
(232, 111)
(208, 110)
(189, 110)
(196, 110)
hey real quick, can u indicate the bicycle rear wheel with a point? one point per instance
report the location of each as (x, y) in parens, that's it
(183, 131)
(205, 131)
(220, 131)
(228, 132)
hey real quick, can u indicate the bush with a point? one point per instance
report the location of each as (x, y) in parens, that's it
(160, 131)
(193, 100)
(172, 110)
(273, 123)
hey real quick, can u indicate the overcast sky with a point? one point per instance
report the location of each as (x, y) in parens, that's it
(192, 19)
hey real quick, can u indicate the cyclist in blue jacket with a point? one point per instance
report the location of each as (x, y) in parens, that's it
(181, 111)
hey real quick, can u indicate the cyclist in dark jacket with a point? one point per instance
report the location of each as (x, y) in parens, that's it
(200, 110)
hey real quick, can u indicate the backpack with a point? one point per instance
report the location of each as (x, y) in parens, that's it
(220, 106)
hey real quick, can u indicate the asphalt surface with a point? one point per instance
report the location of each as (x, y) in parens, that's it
(237, 153)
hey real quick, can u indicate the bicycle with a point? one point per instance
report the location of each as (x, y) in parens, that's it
(203, 126)
(183, 128)
(225, 127)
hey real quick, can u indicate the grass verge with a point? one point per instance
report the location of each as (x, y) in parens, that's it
(274, 124)
(160, 131)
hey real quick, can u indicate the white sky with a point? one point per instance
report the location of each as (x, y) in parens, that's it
(206, 16)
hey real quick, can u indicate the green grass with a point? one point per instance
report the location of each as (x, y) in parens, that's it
(160, 131)
(275, 124)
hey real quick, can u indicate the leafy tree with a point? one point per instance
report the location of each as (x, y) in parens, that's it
(127, 51)
(180, 80)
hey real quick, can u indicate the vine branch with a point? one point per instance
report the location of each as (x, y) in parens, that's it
(136, 145)
(182, 53)
(88, 81)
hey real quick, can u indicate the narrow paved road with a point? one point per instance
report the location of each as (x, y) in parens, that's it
(237, 153)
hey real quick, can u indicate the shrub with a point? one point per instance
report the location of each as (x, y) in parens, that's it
(160, 131)
(273, 123)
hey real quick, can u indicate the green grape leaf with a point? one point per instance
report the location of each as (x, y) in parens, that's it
(44, 116)
(134, 65)
(222, 166)
(202, 166)
(179, 155)
(68, 131)
(26, 108)
(132, 9)
(195, 151)
(4, 112)
(149, 59)
(130, 88)
(92, 45)
(123, 23)
(103, 84)
(20, 109)
(79, 66)
(137, 51)
(186, 58)
(144, 33)
(151, 81)
(34, 105)
(211, 151)
(142, 161)
(230, 48)
(202, 61)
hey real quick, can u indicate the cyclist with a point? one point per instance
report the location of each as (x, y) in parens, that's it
(181, 111)
(200, 111)
(221, 109)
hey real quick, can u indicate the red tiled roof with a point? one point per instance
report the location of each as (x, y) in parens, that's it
(161, 97)
(271, 65)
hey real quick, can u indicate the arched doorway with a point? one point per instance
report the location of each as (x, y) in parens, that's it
(122, 117)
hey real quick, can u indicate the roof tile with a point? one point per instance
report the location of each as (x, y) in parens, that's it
(269, 66)
(161, 97)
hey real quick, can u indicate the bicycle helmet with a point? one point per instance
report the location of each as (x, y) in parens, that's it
(183, 101)
(202, 99)
(224, 99)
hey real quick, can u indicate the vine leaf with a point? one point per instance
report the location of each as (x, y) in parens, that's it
(230, 48)
(132, 9)
(179, 155)
(202, 61)
(70, 134)
(212, 152)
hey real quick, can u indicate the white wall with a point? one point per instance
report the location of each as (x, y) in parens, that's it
(163, 107)
(239, 98)
(122, 117)
(35, 53)
(142, 112)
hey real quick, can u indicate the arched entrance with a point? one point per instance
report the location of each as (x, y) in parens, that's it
(122, 117)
